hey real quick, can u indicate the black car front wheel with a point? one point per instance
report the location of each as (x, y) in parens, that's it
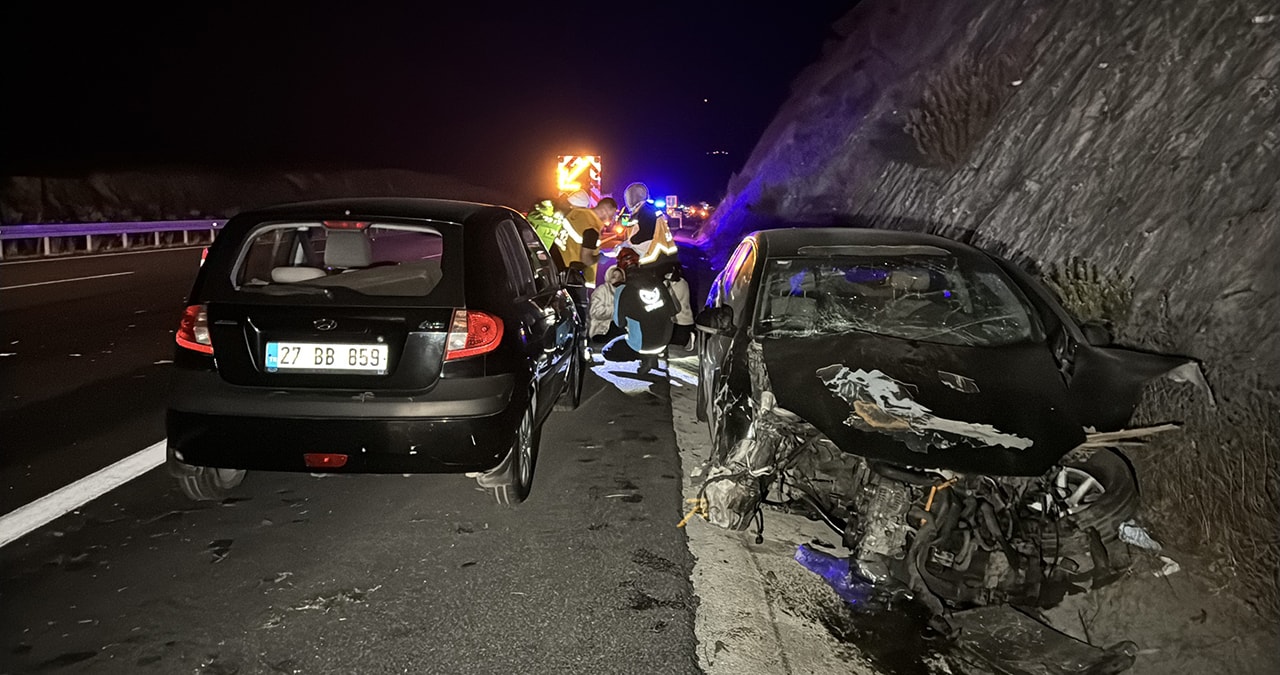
(206, 483)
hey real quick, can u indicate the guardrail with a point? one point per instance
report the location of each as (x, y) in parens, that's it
(65, 238)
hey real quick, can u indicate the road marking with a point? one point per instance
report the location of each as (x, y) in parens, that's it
(63, 281)
(42, 511)
(61, 258)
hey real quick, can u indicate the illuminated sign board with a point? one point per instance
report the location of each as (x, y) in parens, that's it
(579, 172)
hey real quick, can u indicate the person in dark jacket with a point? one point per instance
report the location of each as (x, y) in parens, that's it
(644, 308)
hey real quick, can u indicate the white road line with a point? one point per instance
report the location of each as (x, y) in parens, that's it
(63, 281)
(44, 510)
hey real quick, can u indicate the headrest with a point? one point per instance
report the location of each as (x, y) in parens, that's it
(347, 248)
(902, 280)
(292, 275)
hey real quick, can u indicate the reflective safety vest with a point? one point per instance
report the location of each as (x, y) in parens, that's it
(651, 226)
(580, 223)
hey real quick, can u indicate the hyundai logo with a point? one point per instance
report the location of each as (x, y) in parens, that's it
(325, 324)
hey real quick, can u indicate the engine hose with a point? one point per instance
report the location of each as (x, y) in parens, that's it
(993, 525)
(948, 514)
(904, 475)
(936, 586)
(837, 525)
(924, 536)
(965, 557)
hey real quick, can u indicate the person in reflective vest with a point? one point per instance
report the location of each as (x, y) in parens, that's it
(547, 222)
(644, 308)
(579, 239)
(651, 237)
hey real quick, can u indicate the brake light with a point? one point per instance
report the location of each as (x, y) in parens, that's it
(193, 330)
(204, 253)
(324, 460)
(345, 225)
(472, 333)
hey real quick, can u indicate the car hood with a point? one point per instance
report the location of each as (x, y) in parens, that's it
(996, 410)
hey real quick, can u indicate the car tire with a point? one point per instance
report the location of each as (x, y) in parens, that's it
(571, 397)
(206, 483)
(522, 459)
(1116, 503)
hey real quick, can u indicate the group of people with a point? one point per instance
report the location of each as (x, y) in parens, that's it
(644, 296)
(648, 304)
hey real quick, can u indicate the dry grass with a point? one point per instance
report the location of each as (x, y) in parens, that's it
(1091, 295)
(1214, 489)
(958, 107)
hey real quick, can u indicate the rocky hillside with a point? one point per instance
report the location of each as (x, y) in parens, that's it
(178, 194)
(1127, 150)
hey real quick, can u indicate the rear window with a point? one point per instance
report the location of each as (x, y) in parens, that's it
(366, 258)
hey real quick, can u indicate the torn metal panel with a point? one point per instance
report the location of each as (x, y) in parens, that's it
(883, 404)
(1011, 414)
(1106, 383)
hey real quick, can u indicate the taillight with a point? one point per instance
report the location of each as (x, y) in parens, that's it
(193, 330)
(204, 253)
(472, 333)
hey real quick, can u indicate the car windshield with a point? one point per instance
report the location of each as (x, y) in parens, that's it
(912, 292)
(318, 258)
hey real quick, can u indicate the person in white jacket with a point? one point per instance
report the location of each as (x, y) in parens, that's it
(683, 333)
(600, 326)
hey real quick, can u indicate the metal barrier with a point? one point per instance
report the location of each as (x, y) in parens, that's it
(72, 232)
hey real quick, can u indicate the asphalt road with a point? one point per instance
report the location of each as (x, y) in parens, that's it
(376, 574)
(83, 377)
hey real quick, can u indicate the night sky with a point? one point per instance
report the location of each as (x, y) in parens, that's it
(486, 92)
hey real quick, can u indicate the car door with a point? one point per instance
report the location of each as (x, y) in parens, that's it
(730, 289)
(554, 330)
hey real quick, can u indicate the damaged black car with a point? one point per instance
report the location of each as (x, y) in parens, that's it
(933, 404)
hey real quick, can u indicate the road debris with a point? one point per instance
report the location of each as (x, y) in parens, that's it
(1135, 534)
(1171, 567)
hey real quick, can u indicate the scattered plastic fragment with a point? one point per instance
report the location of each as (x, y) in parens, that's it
(1265, 18)
(699, 508)
(1135, 534)
(1170, 568)
(835, 571)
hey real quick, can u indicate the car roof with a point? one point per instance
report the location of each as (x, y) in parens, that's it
(787, 241)
(372, 207)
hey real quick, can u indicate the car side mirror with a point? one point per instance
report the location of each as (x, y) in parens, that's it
(574, 278)
(1096, 334)
(716, 320)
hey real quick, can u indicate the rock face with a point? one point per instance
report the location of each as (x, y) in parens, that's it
(1138, 136)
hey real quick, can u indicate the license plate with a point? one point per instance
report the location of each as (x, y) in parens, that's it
(327, 357)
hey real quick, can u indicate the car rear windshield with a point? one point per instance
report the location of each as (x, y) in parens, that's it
(328, 257)
(912, 292)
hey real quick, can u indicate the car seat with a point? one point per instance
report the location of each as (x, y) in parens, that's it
(347, 249)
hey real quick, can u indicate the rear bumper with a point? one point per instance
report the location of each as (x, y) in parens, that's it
(461, 426)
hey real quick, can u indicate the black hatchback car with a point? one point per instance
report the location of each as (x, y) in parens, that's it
(372, 336)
